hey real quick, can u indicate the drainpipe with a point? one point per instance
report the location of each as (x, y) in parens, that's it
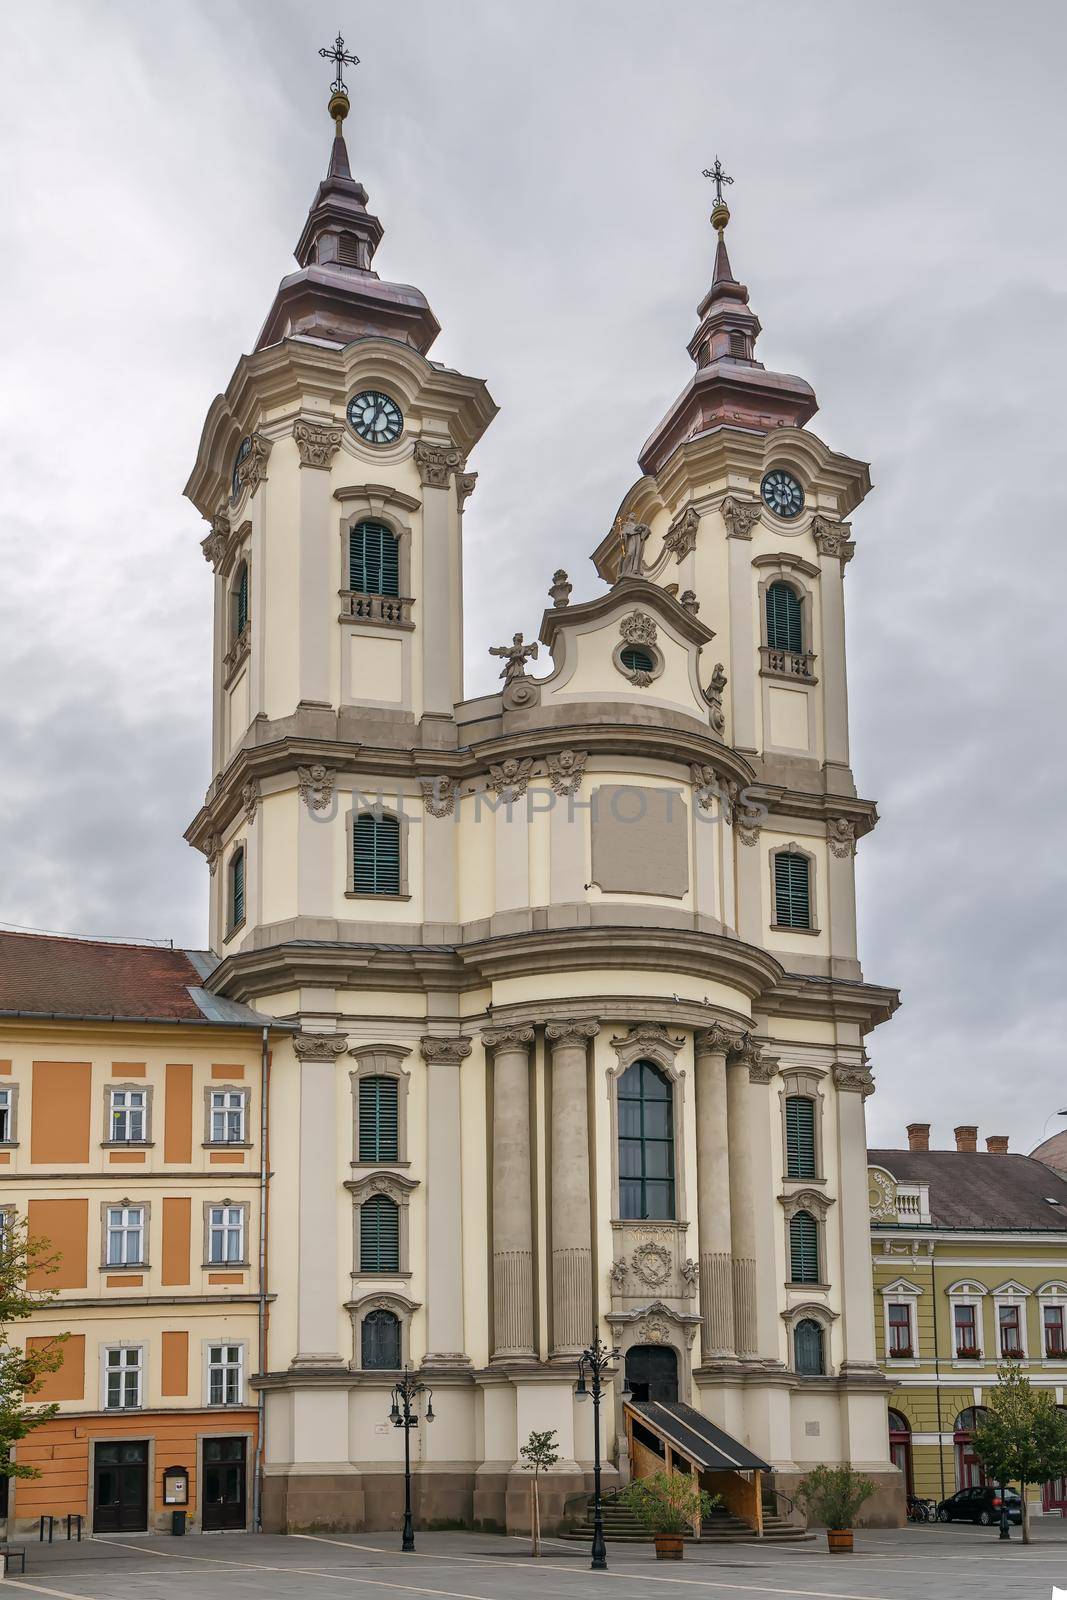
(937, 1376)
(261, 1401)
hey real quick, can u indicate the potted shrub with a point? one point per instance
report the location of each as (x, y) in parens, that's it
(833, 1496)
(669, 1504)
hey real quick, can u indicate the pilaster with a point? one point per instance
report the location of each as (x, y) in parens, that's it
(316, 542)
(514, 1331)
(441, 591)
(572, 1255)
(854, 1084)
(317, 1264)
(713, 1195)
(444, 1056)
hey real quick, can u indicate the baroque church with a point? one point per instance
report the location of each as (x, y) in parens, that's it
(568, 1015)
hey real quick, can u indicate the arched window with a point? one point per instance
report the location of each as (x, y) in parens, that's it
(800, 1136)
(380, 1341)
(808, 1347)
(378, 1125)
(373, 560)
(785, 629)
(636, 660)
(240, 600)
(376, 854)
(900, 1447)
(792, 890)
(646, 1142)
(803, 1248)
(237, 887)
(379, 1234)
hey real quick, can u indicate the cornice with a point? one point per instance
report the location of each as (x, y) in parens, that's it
(625, 593)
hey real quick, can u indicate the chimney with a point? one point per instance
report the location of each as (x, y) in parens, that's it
(996, 1144)
(918, 1136)
(966, 1138)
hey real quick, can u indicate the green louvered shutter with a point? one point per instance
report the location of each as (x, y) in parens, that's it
(784, 631)
(376, 854)
(803, 1248)
(792, 897)
(241, 601)
(635, 660)
(378, 1134)
(379, 1235)
(237, 889)
(800, 1136)
(373, 560)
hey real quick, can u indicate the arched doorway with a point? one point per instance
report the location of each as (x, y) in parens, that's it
(969, 1473)
(900, 1447)
(652, 1372)
(1054, 1493)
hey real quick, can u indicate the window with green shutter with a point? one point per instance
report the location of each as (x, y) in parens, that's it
(646, 1142)
(803, 1248)
(784, 627)
(792, 890)
(636, 660)
(808, 1347)
(240, 601)
(379, 1235)
(800, 1136)
(237, 887)
(378, 1130)
(376, 854)
(373, 560)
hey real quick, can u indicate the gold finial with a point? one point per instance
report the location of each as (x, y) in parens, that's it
(340, 105)
(720, 211)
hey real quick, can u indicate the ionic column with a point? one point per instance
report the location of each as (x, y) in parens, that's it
(572, 1234)
(742, 1198)
(713, 1194)
(444, 1210)
(514, 1330)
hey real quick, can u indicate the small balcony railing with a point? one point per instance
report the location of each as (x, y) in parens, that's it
(789, 663)
(387, 610)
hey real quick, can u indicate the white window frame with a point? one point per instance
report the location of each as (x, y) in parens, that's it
(902, 1292)
(232, 1102)
(967, 1293)
(124, 1368)
(8, 1105)
(1052, 1294)
(125, 1230)
(1013, 1294)
(228, 1368)
(118, 1105)
(223, 1229)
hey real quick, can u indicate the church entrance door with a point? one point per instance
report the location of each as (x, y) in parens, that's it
(652, 1372)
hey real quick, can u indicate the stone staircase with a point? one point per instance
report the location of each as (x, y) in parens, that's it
(622, 1527)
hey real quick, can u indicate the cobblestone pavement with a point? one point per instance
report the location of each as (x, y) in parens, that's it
(923, 1563)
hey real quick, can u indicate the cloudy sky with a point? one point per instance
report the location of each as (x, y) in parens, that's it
(898, 217)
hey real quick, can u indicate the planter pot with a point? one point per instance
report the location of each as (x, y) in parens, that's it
(839, 1541)
(669, 1547)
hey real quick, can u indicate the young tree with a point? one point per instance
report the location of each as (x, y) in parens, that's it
(1023, 1436)
(538, 1452)
(22, 1371)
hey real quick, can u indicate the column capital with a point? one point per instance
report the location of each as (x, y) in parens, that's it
(520, 1034)
(859, 1079)
(437, 463)
(717, 1040)
(319, 1046)
(574, 1033)
(745, 1052)
(317, 442)
(832, 538)
(450, 1049)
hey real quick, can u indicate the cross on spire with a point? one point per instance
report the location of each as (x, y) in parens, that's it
(718, 177)
(341, 59)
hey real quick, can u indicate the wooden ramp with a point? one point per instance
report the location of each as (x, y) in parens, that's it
(663, 1434)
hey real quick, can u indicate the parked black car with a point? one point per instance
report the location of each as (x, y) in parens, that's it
(980, 1505)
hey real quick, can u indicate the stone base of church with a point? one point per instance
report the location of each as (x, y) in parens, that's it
(886, 1508)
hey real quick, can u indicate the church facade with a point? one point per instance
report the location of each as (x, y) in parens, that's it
(577, 1015)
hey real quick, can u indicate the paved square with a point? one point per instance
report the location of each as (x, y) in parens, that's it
(924, 1563)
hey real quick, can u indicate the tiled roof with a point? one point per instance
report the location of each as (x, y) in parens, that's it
(42, 975)
(991, 1192)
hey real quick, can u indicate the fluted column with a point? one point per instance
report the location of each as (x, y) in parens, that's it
(444, 1211)
(742, 1198)
(572, 1235)
(514, 1332)
(713, 1194)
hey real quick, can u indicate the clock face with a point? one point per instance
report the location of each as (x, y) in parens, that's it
(782, 494)
(235, 482)
(375, 417)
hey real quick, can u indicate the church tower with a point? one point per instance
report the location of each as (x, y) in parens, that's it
(571, 972)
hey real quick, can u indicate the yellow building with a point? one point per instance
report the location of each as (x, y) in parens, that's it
(130, 1111)
(970, 1270)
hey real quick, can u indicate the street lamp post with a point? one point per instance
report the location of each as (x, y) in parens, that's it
(595, 1361)
(1005, 1524)
(404, 1414)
